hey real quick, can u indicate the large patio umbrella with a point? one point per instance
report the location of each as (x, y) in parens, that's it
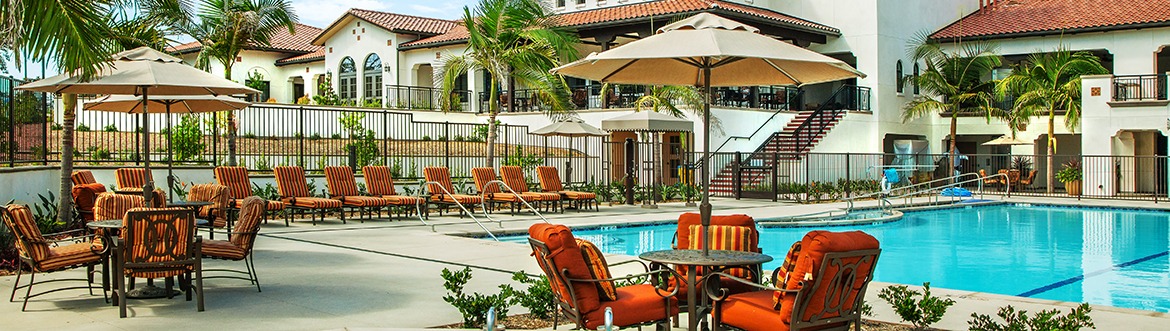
(172, 104)
(706, 50)
(140, 72)
(571, 127)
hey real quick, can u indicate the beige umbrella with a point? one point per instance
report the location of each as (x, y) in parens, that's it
(648, 121)
(706, 50)
(172, 104)
(570, 127)
(141, 72)
(1006, 140)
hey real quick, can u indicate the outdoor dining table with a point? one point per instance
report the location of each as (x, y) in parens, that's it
(693, 259)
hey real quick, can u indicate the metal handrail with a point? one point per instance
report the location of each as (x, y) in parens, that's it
(526, 204)
(879, 193)
(980, 180)
(423, 187)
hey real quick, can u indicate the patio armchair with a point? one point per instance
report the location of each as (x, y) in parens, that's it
(727, 232)
(159, 243)
(294, 192)
(85, 191)
(583, 287)
(823, 290)
(82, 177)
(550, 181)
(342, 185)
(240, 187)
(442, 192)
(238, 247)
(989, 180)
(115, 206)
(43, 255)
(380, 183)
(216, 213)
(129, 180)
(493, 193)
(514, 177)
(1027, 181)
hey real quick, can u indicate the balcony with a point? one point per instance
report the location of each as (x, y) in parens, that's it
(424, 98)
(1140, 88)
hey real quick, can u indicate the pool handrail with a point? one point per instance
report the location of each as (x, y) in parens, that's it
(883, 192)
(424, 194)
(979, 180)
(501, 183)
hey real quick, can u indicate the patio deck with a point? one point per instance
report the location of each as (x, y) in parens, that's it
(385, 275)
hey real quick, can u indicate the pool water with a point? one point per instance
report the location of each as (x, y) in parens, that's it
(1114, 257)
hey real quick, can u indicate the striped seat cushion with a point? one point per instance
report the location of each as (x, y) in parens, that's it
(270, 205)
(440, 180)
(290, 182)
(236, 179)
(598, 268)
(461, 198)
(82, 177)
(550, 181)
(248, 223)
(143, 231)
(514, 177)
(509, 197)
(401, 200)
(724, 237)
(575, 195)
(130, 178)
(783, 277)
(363, 201)
(71, 255)
(223, 249)
(314, 203)
(115, 206)
(379, 180)
(546, 196)
(340, 181)
(21, 221)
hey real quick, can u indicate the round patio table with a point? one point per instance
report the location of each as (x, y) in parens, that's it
(694, 258)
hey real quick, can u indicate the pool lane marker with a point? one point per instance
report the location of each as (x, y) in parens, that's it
(1078, 278)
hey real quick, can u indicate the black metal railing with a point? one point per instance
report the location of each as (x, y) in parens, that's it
(758, 97)
(1140, 87)
(845, 98)
(23, 124)
(425, 98)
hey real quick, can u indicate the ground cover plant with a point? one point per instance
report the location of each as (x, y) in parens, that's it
(921, 312)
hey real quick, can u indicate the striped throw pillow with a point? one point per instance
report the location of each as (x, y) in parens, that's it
(783, 277)
(724, 237)
(598, 269)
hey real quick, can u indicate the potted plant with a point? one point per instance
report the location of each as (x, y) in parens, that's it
(1071, 175)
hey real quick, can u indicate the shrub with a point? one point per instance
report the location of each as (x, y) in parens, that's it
(299, 135)
(315, 137)
(538, 297)
(528, 162)
(335, 136)
(81, 127)
(473, 306)
(426, 138)
(188, 139)
(919, 312)
(268, 192)
(262, 163)
(250, 135)
(55, 127)
(1044, 320)
(1071, 172)
(110, 128)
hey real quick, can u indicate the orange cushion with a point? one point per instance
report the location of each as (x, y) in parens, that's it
(688, 219)
(635, 304)
(363, 201)
(70, 255)
(752, 311)
(566, 255)
(598, 269)
(814, 246)
(785, 270)
(723, 237)
(223, 249)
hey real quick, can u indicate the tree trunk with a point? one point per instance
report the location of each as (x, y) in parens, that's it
(493, 111)
(1051, 150)
(231, 123)
(954, 150)
(68, 112)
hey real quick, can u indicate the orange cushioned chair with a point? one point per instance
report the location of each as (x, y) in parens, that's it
(85, 191)
(43, 255)
(442, 192)
(730, 232)
(216, 213)
(514, 177)
(139, 254)
(823, 292)
(380, 183)
(82, 177)
(294, 191)
(115, 206)
(238, 247)
(493, 193)
(240, 187)
(342, 186)
(578, 291)
(130, 180)
(550, 181)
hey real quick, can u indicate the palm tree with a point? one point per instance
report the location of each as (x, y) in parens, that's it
(953, 83)
(1049, 82)
(514, 41)
(50, 31)
(224, 28)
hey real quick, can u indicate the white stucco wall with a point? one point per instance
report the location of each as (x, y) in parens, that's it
(280, 86)
(358, 39)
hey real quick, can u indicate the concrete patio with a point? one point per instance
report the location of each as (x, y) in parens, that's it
(385, 275)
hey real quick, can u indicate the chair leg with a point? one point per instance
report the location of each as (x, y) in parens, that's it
(199, 284)
(16, 285)
(32, 279)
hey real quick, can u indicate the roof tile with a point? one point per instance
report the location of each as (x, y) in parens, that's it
(307, 57)
(299, 41)
(1014, 17)
(399, 22)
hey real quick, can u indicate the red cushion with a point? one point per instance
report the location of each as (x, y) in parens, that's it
(752, 311)
(635, 304)
(565, 254)
(814, 246)
(688, 219)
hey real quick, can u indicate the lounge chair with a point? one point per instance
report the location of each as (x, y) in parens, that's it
(343, 186)
(294, 192)
(550, 181)
(139, 256)
(240, 187)
(493, 193)
(380, 183)
(584, 288)
(443, 193)
(514, 177)
(43, 255)
(823, 291)
(130, 181)
(238, 247)
(85, 191)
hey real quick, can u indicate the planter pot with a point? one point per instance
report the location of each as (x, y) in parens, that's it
(1073, 187)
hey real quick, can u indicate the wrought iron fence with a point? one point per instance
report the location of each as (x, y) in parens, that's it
(425, 98)
(759, 97)
(24, 124)
(1140, 87)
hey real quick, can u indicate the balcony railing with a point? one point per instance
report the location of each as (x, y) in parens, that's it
(1139, 87)
(424, 98)
(758, 97)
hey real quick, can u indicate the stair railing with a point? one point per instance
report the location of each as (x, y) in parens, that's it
(817, 123)
(791, 98)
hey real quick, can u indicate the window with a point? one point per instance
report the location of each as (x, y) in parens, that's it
(372, 77)
(560, 3)
(581, 2)
(916, 78)
(347, 80)
(898, 75)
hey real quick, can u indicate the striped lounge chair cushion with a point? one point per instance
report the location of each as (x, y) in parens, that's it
(236, 179)
(401, 200)
(461, 198)
(82, 177)
(483, 180)
(575, 195)
(363, 201)
(598, 268)
(270, 205)
(340, 181)
(514, 177)
(313, 203)
(379, 180)
(131, 178)
(550, 181)
(441, 178)
(290, 182)
(723, 237)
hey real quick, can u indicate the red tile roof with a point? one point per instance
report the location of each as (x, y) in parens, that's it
(299, 41)
(184, 48)
(642, 10)
(1013, 18)
(399, 22)
(318, 55)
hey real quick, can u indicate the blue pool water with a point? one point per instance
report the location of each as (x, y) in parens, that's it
(1109, 257)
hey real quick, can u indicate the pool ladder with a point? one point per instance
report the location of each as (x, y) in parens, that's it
(424, 195)
(885, 199)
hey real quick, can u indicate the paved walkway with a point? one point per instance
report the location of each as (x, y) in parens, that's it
(385, 274)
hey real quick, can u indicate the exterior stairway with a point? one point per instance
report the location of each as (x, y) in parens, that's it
(799, 137)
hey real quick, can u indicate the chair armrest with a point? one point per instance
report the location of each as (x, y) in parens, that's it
(645, 268)
(714, 285)
(664, 273)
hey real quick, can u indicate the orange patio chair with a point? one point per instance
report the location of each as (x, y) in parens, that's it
(238, 247)
(139, 255)
(82, 177)
(380, 183)
(294, 192)
(989, 180)
(129, 180)
(342, 186)
(514, 177)
(85, 191)
(115, 206)
(442, 192)
(727, 232)
(493, 193)
(550, 181)
(43, 255)
(216, 213)
(823, 290)
(1027, 181)
(582, 284)
(240, 187)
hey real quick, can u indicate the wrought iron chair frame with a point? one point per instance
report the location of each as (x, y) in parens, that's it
(192, 257)
(25, 259)
(249, 261)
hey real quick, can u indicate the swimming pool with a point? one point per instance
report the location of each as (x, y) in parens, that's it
(1114, 257)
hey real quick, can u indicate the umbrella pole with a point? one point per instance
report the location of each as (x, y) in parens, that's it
(147, 182)
(170, 157)
(705, 206)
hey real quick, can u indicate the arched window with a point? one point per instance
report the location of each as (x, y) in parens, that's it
(898, 75)
(372, 77)
(915, 77)
(347, 80)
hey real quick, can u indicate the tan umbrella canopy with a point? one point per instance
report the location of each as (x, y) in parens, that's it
(648, 121)
(571, 127)
(706, 50)
(1006, 140)
(140, 72)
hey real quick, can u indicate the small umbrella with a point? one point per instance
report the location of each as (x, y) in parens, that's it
(173, 104)
(706, 50)
(648, 121)
(141, 72)
(1006, 141)
(570, 127)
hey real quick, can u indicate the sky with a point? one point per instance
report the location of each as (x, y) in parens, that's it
(320, 13)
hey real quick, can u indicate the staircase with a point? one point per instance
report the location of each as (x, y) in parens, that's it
(799, 137)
